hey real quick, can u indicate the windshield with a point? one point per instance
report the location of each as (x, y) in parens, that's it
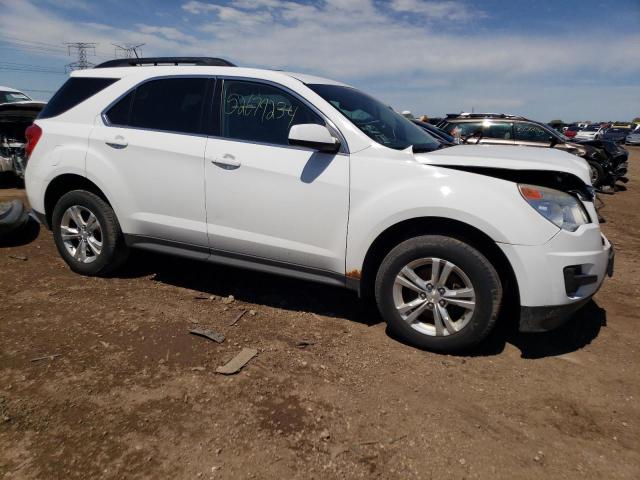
(553, 132)
(378, 121)
(11, 97)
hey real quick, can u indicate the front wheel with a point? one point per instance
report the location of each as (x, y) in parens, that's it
(439, 293)
(87, 234)
(596, 172)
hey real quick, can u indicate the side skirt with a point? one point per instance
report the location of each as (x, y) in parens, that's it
(220, 257)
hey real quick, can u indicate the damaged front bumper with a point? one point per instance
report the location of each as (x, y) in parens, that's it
(558, 278)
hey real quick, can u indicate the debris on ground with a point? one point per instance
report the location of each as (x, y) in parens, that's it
(304, 343)
(228, 300)
(18, 257)
(252, 313)
(236, 363)
(46, 357)
(210, 334)
(238, 317)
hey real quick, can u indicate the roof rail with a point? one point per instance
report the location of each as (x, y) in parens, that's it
(484, 115)
(155, 61)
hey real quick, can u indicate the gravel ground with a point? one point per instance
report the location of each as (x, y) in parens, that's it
(131, 394)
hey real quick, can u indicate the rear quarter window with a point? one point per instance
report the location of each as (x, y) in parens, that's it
(74, 91)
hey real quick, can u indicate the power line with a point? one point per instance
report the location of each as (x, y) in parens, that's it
(81, 49)
(32, 70)
(36, 90)
(49, 46)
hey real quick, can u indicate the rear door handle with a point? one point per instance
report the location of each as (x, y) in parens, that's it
(228, 162)
(117, 142)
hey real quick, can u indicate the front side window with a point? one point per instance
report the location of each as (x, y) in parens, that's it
(377, 120)
(465, 129)
(528, 132)
(261, 113)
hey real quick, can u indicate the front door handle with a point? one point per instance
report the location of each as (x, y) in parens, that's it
(117, 142)
(228, 162)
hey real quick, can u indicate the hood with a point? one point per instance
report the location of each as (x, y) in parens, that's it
(507, 157)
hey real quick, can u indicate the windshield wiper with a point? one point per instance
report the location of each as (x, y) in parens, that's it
(423, 149)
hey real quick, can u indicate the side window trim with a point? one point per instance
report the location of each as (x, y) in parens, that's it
(207, 101)
(217, 108)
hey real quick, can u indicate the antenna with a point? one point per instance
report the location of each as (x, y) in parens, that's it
(81, 49)
(128, 50)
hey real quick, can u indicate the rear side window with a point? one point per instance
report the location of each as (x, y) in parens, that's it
(170, 104)
(119, 113)
(261, 113)
(74, 91)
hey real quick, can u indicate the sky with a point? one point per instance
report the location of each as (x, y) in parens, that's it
(545, 59)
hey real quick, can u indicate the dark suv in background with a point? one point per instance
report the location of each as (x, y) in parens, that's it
(607, 161)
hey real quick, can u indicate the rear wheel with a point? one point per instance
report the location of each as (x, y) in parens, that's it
(87, 234)
(439, 293)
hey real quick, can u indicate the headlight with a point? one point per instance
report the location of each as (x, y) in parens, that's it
(561, 209)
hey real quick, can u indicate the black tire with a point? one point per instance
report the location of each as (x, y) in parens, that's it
(597, 173)
(114, 251)
(479, 271)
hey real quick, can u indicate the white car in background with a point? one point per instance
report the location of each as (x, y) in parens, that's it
(11, 95)
(307, 177)
(634, 137)
(590, 132)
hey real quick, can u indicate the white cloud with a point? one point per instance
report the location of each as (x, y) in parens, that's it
(403, 45)
(437, 10)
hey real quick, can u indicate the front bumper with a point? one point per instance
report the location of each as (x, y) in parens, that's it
(621, 170)
(557, 278)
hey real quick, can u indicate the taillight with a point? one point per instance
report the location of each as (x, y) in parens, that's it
(33, 134)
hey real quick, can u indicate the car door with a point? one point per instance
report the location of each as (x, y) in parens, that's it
(148, 150)
(266, 200)
(531, 135)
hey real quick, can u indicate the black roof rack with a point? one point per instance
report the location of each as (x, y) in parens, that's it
(134, 62)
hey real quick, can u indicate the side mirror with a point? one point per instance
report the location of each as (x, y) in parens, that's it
(314, 136)
(553, 141)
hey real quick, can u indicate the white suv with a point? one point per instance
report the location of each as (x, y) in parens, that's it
(307, 177)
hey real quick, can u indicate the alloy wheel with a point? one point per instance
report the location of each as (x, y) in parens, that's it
(434, 296)
(81, 234)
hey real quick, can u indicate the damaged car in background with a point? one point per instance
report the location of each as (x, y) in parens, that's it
(607, 161)
(17, 112)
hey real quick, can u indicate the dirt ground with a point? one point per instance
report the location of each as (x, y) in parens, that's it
(329, 396)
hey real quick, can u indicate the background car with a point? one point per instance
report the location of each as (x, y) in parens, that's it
(616, 134)
(591, 132)
(608, 162)
(11, 95)
(571, 131)
(633, 138)
(17, 112)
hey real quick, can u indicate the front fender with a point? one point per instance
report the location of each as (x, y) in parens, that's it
(385, 192)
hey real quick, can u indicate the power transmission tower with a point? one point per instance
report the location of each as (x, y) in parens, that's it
(128, 50)
(81, 49)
